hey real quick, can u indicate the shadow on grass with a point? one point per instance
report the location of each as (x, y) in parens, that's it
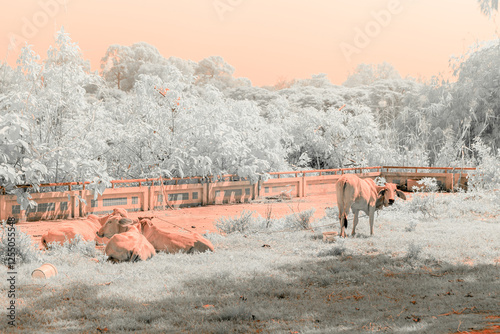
(329, 293)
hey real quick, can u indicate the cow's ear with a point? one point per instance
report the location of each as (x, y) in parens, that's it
(401, 194)
(381, 192)
(125, 221)
(146, 221)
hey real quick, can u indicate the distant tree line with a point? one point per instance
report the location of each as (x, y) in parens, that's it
(144, 115)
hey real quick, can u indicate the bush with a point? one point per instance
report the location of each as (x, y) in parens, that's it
(413, 252)
(380, 181)
(75, 246)
(334, 251)
(424, 203)
(300, 220)
(236, 224)
(487, 174)
(412, 224)
(427, 184)
(20, 242)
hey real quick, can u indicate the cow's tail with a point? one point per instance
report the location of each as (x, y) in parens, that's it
(346, 209)
(134, 257)
(342, 203)
(44, 242)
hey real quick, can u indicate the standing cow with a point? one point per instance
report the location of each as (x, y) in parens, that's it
(362, 194)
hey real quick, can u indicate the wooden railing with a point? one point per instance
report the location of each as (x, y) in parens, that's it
(320, 172)
(416, 169)
(158, 193)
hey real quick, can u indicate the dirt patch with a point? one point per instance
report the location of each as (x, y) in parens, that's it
(201, 219)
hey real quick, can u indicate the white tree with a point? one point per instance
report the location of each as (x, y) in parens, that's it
(121, 64)
(366, 74)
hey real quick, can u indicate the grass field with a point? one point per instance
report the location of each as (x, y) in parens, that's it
(431, 267)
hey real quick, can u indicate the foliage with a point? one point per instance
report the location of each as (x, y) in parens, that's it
(426, 184)
(46, 122)
(413, 252)
(421, 203)
(24, 250)
(147, 116)
(228, 225)
(77, 245)
(488, 6)
(487, 174)
(366, 74)
(300, 220)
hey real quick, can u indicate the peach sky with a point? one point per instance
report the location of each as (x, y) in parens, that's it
(265, 40)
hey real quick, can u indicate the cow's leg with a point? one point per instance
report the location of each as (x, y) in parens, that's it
(113, 260)
(371, 215)
(343, 224)
(354, 222)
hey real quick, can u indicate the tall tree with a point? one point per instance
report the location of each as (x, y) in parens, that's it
(121, 65)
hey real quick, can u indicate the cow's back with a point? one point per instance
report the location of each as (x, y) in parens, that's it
(348, 188)
(173, 242)
(68, 231)
(129, 246)
(352, 190)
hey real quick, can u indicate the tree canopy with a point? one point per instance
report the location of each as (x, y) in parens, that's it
(145, 115)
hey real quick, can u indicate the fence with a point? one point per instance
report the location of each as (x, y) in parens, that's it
(160, 194)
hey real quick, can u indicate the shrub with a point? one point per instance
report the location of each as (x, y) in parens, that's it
(413, 252)
(412, 224)
(20, 242)
(487, 174)
(236, 224)
(427, 184)
(423, 203)
(337, 250)
(332, 212)
(75, 246)
(300, 220)
(380, 181)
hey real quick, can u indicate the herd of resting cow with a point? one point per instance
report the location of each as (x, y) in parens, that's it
(130, 239)
(127, 239)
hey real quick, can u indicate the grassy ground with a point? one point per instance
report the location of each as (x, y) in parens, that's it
(432, 266)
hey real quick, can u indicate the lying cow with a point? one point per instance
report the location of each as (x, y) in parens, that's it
(126, 242)
(86, 228)
(171, 242)
(362, 194)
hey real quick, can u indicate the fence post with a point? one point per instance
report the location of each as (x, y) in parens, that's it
(145, 199)
(259, 187)
(204, 193)
(72, 205)
(82, 205)
(3, 208)
(449, 182)
(304, 185)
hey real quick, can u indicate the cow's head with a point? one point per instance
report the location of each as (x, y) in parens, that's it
(115, 225)
(387, 195)
(120, 212)
(145, 223)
